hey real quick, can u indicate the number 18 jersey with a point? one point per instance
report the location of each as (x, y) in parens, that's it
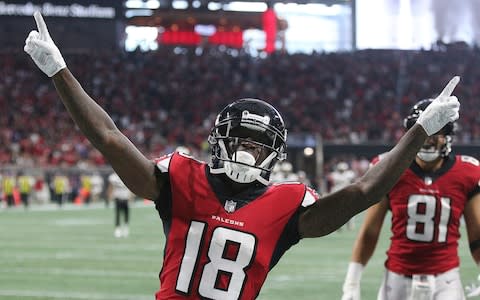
(218, 249)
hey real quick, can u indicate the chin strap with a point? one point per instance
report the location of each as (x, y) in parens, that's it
(241, 167)
(428, 156)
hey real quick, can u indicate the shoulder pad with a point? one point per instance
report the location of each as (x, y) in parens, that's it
(163, 162)
(285, 183)
(311, 196)
(186, 155)
(470, 160)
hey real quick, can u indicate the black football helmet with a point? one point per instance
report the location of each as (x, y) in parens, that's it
(253, 121)
(447, 130)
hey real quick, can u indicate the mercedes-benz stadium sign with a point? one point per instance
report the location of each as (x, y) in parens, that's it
(72, 10)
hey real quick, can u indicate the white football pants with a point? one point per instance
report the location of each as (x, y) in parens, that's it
(445, 286)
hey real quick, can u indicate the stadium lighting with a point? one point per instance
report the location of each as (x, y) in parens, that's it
(152, 4)
(308, 151)
(180, 4)
(196, 4)
(205, 30)
(214, 6)
(142, 37)
(314, 9)
(245, 6)
(138, 13)
(134, 4)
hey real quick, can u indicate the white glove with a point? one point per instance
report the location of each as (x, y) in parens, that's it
(442, 110)
(40, 46)
(351, 286)
(473, 290)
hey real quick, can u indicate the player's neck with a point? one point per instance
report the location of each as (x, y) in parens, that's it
(228, 187)
(430, 166)
(236, 187)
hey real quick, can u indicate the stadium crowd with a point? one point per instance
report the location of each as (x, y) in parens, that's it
(342, 95)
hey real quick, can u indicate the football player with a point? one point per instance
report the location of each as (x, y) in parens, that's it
(426, 205)
(226, 227)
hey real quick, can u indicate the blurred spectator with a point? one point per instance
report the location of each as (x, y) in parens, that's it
(8, 187)
(303, 178)
(339, 178)
(25, 184)
(282, 172)
(85, 194)
(41, 190)
(97, 186)
(61, 188)
(344, 96)
(118, 192)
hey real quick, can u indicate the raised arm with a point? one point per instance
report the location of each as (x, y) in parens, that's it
(334, 210)
(136, 171)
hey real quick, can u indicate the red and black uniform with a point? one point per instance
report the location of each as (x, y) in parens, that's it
(219, 246)
(426, 211)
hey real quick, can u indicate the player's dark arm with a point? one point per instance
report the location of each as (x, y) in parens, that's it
(135, 170)
(332, 211)
(472, 222)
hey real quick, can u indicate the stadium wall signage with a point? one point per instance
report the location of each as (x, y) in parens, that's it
(72, 10)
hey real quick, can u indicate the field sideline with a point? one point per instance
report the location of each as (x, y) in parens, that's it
(48, 253)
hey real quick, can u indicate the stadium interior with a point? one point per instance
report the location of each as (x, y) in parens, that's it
(163, 69)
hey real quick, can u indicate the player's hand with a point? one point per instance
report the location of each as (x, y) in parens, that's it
(351, 291)
(442, 110)
(473, 290)
(40, 46)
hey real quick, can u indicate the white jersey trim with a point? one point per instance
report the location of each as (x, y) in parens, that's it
(311, 196)
(164, 163)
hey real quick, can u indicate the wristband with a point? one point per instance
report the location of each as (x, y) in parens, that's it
(354, 272)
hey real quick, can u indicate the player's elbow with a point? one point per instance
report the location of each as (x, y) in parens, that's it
(368, 192)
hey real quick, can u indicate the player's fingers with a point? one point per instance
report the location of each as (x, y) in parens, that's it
(33, 35)
(42, 27)
(455, 117)
(454, 101)
(447, 91)
(28, 48)
(454, 104)
(39, 44)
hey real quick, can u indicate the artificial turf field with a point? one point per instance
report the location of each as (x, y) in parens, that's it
(70, 253)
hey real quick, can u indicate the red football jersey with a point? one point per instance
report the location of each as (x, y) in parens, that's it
(221, 251)
(426, 210)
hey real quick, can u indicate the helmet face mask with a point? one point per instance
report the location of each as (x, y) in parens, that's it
(436, 146)
(426, 154)
(248, 138)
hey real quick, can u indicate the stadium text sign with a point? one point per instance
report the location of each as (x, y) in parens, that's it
(47, 9)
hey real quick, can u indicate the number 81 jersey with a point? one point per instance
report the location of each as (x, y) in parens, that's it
(215, 249)
(426, 211)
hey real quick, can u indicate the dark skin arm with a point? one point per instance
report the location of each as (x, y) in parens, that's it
(472, 222)
(332, 211)
(135, 170)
